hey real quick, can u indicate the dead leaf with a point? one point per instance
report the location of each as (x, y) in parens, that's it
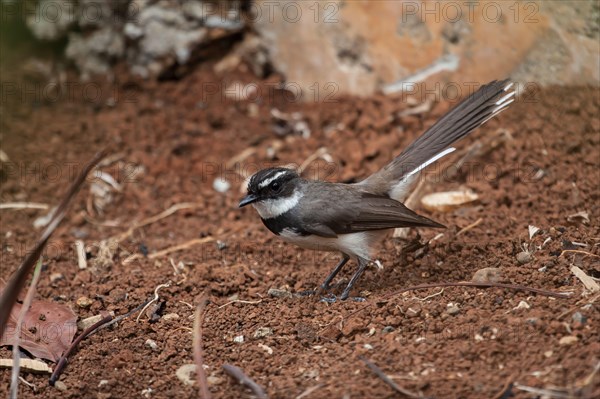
(31, 365)
(579, 217)
(448, 201)
(587, 281)
(47, 331)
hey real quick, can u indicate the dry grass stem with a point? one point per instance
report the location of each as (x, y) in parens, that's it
(198, 350)
(24, 205)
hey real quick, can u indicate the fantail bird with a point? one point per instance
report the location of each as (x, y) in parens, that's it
(351, 218)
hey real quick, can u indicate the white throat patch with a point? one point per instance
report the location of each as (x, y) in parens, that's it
(271, 208)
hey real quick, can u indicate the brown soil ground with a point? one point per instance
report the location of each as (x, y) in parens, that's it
(172, 141)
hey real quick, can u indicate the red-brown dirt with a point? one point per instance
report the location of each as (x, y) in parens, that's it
(174, 140)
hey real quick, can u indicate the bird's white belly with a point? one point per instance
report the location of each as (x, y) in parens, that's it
(353, 244)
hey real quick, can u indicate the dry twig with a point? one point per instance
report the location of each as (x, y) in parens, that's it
(158, 287)
(243, 379)
(168, 212)
(505, 391)
(14, 382)
(379, 373)
(19, 277)
(469, 227)
(198, 357)
(577, 251)
(23, 205)
(310, 390)
(63, 359)
(167, 251)
(123, 316)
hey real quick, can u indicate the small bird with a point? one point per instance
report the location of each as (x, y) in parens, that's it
(352, 218)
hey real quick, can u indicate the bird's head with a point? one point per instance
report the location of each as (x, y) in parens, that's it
(273, 191)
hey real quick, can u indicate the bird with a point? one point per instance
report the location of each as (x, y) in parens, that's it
(351, 218)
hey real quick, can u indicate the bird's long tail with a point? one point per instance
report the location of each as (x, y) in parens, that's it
(396, 177)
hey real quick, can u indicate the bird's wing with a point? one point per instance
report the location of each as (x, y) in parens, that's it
(378, 213)
(348, 210)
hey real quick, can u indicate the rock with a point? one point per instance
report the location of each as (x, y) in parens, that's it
(170, 316)
(277, 293)
(185, 372)
(524, 257)
(452, 309)
(61, 386)
(487, 275)
(345, 48)
(150, 343)
(84, 302)
(102, 383)
(54, 277)
(413, 311)
(238, 339)
(568, 340)
(90, 321)
(95, 53)
(221, 185)
(262, 332)
(51, 19)
(579, 318)
(388, 329)
(214, 380)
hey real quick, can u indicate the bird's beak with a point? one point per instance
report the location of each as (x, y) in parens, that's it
(248, 199)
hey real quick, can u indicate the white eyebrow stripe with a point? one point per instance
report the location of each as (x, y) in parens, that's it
(268, 181)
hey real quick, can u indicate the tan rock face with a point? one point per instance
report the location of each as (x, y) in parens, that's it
(359, 47)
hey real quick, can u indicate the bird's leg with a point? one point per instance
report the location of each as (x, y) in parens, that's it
(362, 265)
(325, 285)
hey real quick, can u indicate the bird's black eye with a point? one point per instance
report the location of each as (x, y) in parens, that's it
(275, 186)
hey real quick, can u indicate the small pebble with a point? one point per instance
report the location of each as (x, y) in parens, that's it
(84, 302)
(185, 372)
(239, 339)
(263, 332)
(170, 316)
(60, 386)
(548, 353)
(277, 293)
(413, 312)
(524, 257)
(102, 383)
(54, 277)
(221, 185)
(150, 343)
(579, 318)
(90, 321)
(488, 275)
(452, 309)
(268, 349)
(388, 329)
(213, 380)
(532, 321)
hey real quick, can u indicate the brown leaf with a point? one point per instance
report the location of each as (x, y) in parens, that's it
(47, 331)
